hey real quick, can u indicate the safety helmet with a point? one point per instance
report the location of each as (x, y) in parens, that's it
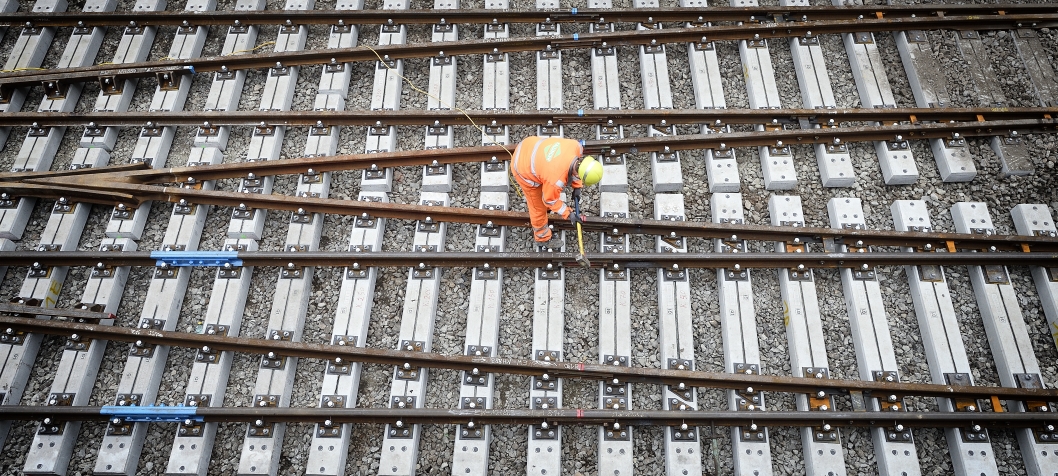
(590, 170)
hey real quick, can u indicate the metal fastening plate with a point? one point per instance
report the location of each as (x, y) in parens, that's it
(7, 201)
(653, 49)
(405, 371)
(12, 337)
(495, 166)
(748, 433)
(816, 403)
(612, 389)
(930, 272)
(968, 34)
(50, 426)
(808, 41)
(825, 434)
(897, 145)
(332, 431)
(674, 274)
(168, 81)
(440, 169)
(303, 217)
(1011, 140)
(616, 275)
(667, 157)
(898, 434)
(442, 60)
(143, 349)
(550, 130)
(543, 403)
(996, 274)
(36, 132)
(79, 345)
(548, 54)
(736, 275)
(402, 402)
(863, 38)
(546, 26)
(549, 274)
(613, 159)
(548, 355)
(604, 51)
(799, 275)
(709, 46)
(479, 380)
(486, 274)
(679, 434)
(495, 57)
(242, 213)
(339, 366)
(183, 208)
(224, 75)
(541, 433)
(760, 43)
(265, 429)
(278, 70)
(488, 230)
(749, 401)
(427, 227)
(540, 384)
(916, 36)
(953, 143)
(273, 360)
(54, 89)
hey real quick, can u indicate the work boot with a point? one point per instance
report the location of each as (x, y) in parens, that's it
(554, 244)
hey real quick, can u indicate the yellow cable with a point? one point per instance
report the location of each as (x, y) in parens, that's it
(251, 50)
(510, 175)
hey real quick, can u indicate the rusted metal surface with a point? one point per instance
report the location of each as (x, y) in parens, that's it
(58, 80)
(542, 259)
(657, 117)
(482, 16)
(558, 416)
(506, 365)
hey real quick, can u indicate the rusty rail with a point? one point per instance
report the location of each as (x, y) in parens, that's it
(557, 416)
(609, 261)
(207, 121)
(482, 16)
(506, 365)
(170, 72)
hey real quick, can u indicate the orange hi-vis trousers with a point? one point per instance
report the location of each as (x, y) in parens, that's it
(542, 167)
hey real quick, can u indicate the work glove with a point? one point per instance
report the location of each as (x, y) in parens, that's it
(575, 218)
(576, 194)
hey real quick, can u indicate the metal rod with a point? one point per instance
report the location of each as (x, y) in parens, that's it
(483, 16)
(171, 71)
(609, 261)
(566, 416)
(487, 364)
(503, 117)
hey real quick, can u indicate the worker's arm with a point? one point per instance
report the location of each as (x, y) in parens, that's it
(551, 192)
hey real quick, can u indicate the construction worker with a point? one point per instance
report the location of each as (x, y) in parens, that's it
(543, 166)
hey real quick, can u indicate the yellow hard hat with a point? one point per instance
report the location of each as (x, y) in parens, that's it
(590, 170)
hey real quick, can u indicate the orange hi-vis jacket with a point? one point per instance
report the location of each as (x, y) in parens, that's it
(541, 166)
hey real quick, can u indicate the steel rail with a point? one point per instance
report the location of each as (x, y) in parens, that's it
(140, 336)
(609, 261)
(209, 120)
(483, 16)
(98, 188)
(88, 178)
(170, 71)
(555, 416)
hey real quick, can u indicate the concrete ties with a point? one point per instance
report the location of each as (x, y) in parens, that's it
(1036, 219)
(400, 444)
(61, 233)
(970, 450)
(1013, 156)
(1009, 340)
(954, 161)
(822, 446)
(893, 447)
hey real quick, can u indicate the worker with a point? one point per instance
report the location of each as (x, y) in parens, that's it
(543, 166)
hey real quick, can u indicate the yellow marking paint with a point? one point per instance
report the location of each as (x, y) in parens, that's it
(785, 314)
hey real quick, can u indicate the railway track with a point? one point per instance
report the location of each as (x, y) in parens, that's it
(184, 298)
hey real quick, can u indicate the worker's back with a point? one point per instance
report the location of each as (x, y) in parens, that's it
(538, 160)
